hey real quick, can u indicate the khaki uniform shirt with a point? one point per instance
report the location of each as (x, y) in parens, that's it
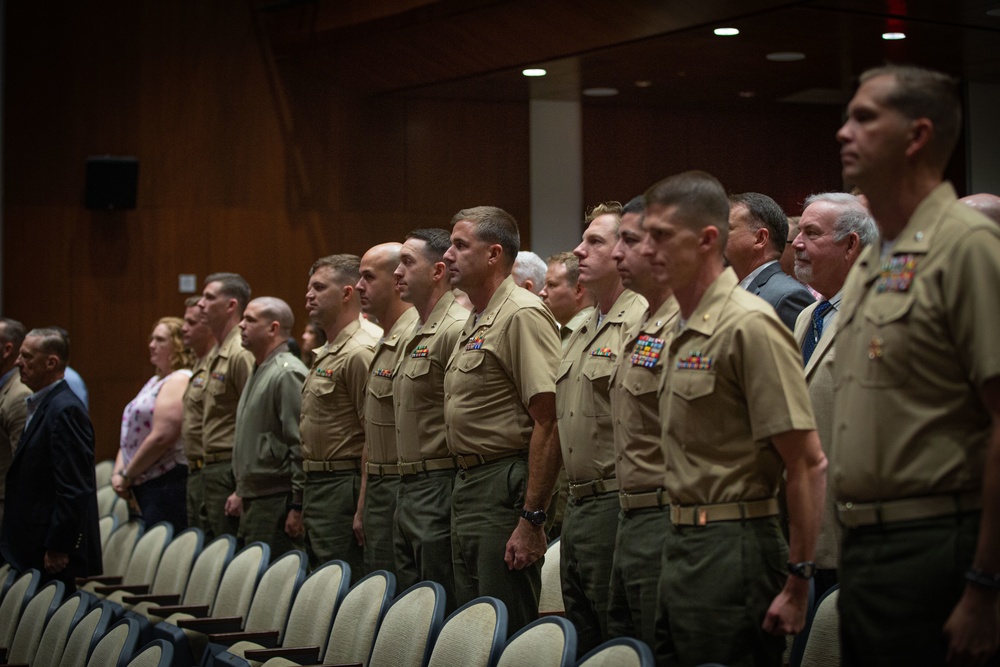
(575, 322)
(380, 421)
(917, 340)
(499, 364)
(229, 366)
(635, 404)
(192, 422)
(735, 379)
(267, 457)
(583, 404)
(418, 383)
(13, 413)
(333, 396)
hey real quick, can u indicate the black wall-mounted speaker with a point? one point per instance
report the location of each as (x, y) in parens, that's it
(111, 183)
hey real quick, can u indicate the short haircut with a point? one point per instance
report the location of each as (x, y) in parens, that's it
(604, 208)
(274, 309)
(572, 264)
(346, 268)
(493, 225)
(233, 286)
(764, 211)
(529, 266)
(924, 93)
(436, 242)
(53, 340)
(191, 302)
(852, 216)
(699, 198)
(180, 356)
(12, 331)
(636, 204)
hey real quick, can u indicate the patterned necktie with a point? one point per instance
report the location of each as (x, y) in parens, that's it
(815, 331)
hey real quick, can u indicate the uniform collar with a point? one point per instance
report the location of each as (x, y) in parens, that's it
(504, 290)
(616, 314)
(705, 317)
(344, 335)
(402, 327)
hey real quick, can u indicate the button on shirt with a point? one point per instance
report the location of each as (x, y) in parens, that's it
(380, 422)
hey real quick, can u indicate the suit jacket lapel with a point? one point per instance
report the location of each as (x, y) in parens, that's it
(824, 344)
(36, 419)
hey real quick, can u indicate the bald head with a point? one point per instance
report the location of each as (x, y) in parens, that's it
(985, 203)
(377, 285)
(273, 309)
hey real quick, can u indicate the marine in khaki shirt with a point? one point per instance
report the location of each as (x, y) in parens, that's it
(635, 413)
(332, 423)
(13, 408)
(198, 338)
(583, 411)
(222, 302)
(499, 418)
(916, 456)
(427, 470)
(380, 472)
(735, 412)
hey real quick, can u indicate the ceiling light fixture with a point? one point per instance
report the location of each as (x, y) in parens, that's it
(785, 56)
(993, 12)
(600, 92)
(746, 94)
(643, 83)
(893, 36)
(534, 71)
(726, 32)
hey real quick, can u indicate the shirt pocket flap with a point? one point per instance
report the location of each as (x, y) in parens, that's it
(691, 385)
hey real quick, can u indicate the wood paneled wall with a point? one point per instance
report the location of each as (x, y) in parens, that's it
(253, 165)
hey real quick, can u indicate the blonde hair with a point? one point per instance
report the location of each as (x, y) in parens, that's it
(180, 356)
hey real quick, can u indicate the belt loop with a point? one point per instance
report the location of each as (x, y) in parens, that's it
(743, 512)
(878, 513)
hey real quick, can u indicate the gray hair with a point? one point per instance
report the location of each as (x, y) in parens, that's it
(529, 266)
(53, 340)
(852, 216)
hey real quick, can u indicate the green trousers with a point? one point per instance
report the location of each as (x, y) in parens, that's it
(329, 502)
(635, 573)
(716, 584)
(422, 533)
(264, 519)
(218, 484)
(378, 520)
(197, 518)
(588, 546)
(486, 507)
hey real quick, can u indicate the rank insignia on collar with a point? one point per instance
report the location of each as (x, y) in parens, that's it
(420, 352)
(382, 372)
(474, 343)
(897, 274)
(695, 361)
(219, 377)
(602, 352)
(324, 373)
(647, 351)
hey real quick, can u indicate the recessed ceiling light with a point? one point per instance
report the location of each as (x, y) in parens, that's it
(892, 36)
(534, 71)
(726, 32)
(645, 83)
(785, 56)
(993, 12)
(600, 92)
(746, 94)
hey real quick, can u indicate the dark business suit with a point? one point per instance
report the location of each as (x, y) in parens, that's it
(51, 498)
(786, 294)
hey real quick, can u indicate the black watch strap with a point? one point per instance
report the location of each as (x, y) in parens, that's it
(537, 517)
(803, 570)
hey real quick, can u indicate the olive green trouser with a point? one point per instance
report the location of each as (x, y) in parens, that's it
(197, 518)
(378, 520)
(329, 502)
(898, 584)
(263, 520)
(635, 573)
(588, 546)
(423, 532)
(486, 507)
(218, 484)
(716, 584)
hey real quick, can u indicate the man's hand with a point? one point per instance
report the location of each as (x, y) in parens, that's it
(55, 561)
(234, 505)
(973, 629)
(787, 613)
(526, 545)
(359, 528)
(294, 527)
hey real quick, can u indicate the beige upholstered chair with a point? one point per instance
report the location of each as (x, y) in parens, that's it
(550, 599)
(142, 565)
(84, 637)
(620, 652)
(117, 645)
(549, 641)
(14, 603)
(823, 642)
(29, 629)
(117, 553)
(171, 574)
(102, 472)
(157, 653)
(473, 636)
(410, 627)
(106, 500)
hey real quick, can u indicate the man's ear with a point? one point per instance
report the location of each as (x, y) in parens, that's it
(921, 133)
(440, 271)
(496, 252)
(348, 293)
(762, 237)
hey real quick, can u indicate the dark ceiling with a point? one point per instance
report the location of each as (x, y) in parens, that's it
(477, 48)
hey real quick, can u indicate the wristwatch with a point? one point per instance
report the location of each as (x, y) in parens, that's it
(804, 570)
(537, 517)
